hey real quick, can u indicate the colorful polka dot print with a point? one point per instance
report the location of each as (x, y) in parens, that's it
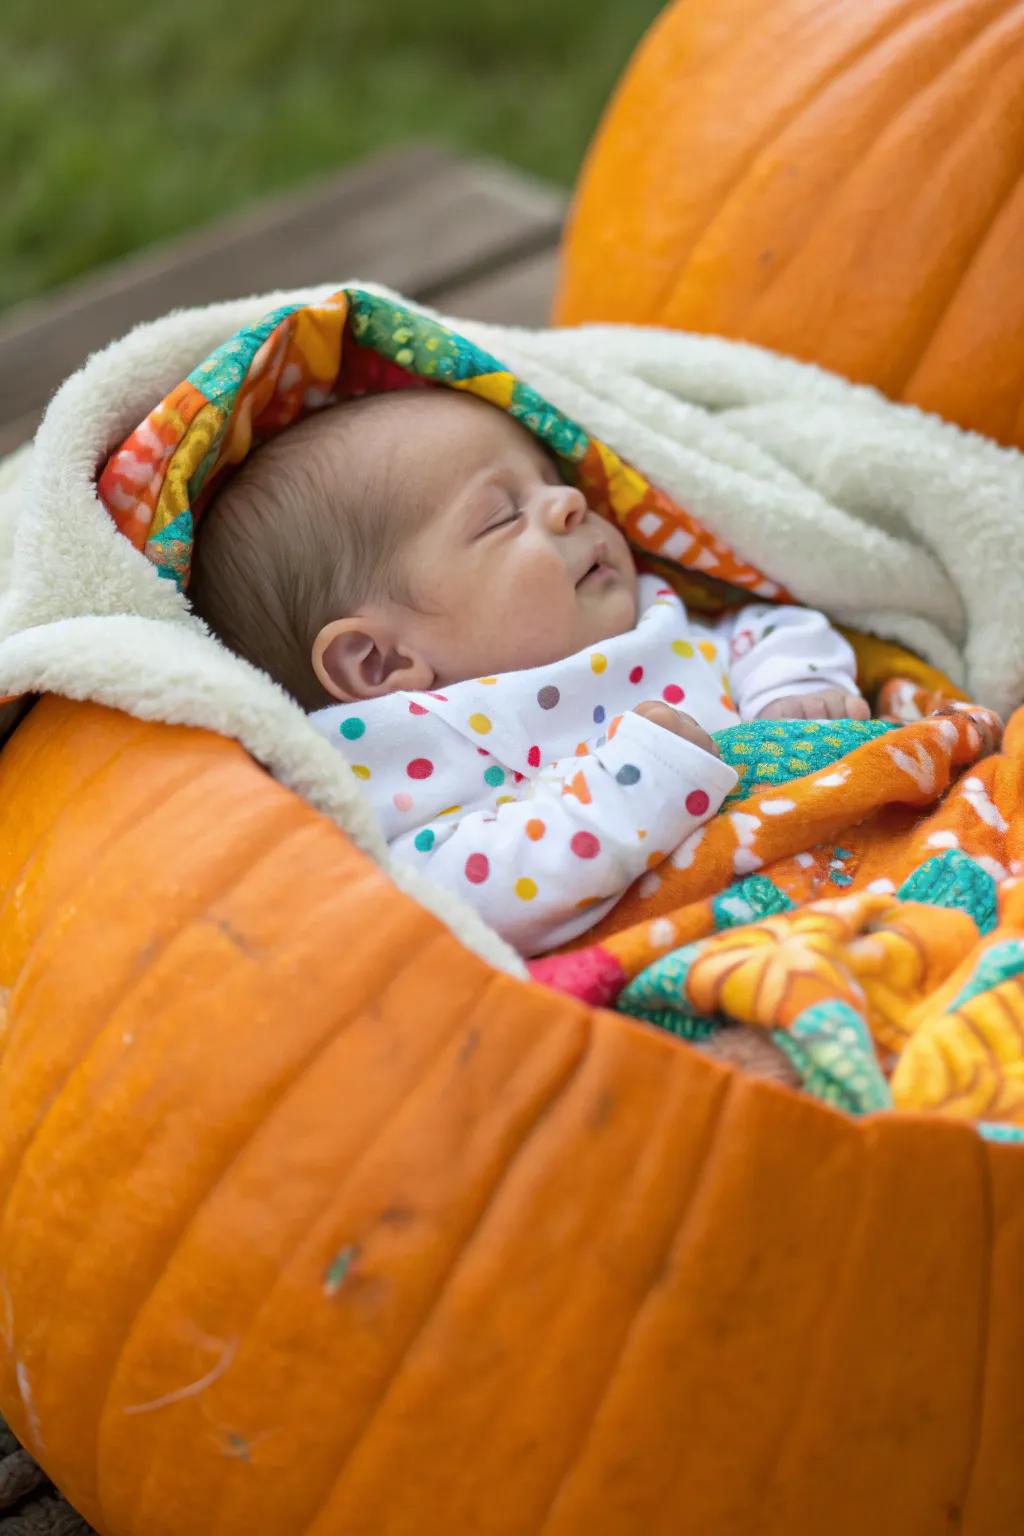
(478, 868)
(540, 795)
(585, 845)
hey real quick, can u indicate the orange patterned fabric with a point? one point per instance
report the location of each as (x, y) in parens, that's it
(882, 894)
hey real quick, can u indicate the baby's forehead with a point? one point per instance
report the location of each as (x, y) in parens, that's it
(423, 443)
(435, 414)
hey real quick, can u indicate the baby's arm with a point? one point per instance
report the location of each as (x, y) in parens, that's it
(778, 654)
(544, 868)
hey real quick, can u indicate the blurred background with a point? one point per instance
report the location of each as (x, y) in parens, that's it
(122, 124)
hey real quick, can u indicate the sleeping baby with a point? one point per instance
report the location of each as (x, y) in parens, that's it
(529, 717)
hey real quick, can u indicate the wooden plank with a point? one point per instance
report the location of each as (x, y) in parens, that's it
(421, 220)
(519, 293)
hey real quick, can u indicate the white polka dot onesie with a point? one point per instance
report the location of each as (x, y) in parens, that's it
(538, 795)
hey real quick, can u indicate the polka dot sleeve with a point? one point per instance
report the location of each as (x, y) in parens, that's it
(547, 865)
(778, 653)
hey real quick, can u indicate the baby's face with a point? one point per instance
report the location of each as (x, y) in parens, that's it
(508, 568)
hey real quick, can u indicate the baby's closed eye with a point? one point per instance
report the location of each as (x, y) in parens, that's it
(504, 519)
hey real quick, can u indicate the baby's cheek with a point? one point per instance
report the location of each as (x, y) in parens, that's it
(543, 598)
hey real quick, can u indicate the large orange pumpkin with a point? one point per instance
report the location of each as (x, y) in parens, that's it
(836, 179)
(311, 1222)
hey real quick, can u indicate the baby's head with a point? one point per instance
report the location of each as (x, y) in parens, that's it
(406, 541)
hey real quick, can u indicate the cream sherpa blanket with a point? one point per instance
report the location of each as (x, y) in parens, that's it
(884, 517)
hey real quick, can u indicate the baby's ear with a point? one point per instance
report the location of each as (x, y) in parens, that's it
(359, 658)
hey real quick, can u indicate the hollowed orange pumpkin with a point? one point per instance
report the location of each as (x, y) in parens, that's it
(311, 1222)
(840, 180)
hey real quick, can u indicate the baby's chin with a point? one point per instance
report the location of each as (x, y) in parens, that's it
(615, 614)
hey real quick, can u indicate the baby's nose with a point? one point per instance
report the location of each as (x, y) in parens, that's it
(566, 508)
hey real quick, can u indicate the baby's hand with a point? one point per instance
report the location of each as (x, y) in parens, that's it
(679, 724)
(826, 704)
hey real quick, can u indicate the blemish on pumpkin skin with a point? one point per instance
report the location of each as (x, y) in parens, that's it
(397, 1216)
(469, 1045)
(601, 1113)
(145, 957)
(362, 1289)
(240, 1447)
(193, 1388)
(338, 1268)
(235, 937)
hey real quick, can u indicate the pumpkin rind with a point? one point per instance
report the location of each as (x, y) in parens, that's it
(310, 1221)
(839, 182)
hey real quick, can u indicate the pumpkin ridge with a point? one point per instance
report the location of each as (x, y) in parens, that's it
(662, 297)
(674, 1236)
(830, 1317)
(649, 42)
(892, 386)
(835, 192)
(987, 1211)
(1014, 21)
(804, 1394)
(902, 385)
(1007, 427)
(373, 1409)
(185, 780)
(71, 808)
(83, 1053)
(14, 878)
(210, 1189)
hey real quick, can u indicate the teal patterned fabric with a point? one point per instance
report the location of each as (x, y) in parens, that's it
(831, 1047)
(431, 351)
(778, 751)
(952, 879)
(996, 965)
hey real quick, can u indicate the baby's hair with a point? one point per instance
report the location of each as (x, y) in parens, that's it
(291, 543)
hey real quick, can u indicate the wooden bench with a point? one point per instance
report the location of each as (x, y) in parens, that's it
(470, 236)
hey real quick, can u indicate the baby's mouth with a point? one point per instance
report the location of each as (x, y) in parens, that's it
(599, 566)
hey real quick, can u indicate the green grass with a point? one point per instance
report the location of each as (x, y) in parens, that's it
(128, 123)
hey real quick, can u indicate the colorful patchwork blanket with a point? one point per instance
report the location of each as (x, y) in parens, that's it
(859, 897)
(861, 900)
